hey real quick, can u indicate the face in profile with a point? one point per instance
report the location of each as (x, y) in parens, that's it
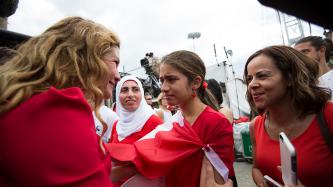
(130, 95)
(266, 85)
(111, 59)
(175, 85)
(307, 49)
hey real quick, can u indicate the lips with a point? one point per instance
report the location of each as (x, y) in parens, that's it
(257, 95)
(130, 101)
(167, 96)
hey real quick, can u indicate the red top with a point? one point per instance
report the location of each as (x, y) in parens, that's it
(150, 125)
(314, 159)
(177, 152)
(50, 140)
(214, 129)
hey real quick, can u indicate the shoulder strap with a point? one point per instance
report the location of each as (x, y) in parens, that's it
(325, 131)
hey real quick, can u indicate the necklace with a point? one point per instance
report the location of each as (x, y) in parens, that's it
(274, 132)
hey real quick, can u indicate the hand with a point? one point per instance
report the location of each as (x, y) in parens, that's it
(207, 178)
(122, 172)
(299, 184)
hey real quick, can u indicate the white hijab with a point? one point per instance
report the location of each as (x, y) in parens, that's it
(131, 122)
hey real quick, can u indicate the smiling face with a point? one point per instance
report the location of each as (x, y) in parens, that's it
(111, 59)
(266, 85)
(130, 95)
(175, 86)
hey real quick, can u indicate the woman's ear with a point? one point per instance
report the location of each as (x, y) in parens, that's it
(196, 83)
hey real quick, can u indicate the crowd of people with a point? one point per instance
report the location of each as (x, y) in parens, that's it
(56, 131)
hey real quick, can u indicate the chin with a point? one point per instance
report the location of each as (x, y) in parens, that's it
(260, 109)
(107, 95)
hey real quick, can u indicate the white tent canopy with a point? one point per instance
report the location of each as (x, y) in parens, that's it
(234, 97)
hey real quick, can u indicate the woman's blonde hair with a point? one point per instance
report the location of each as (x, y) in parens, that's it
(68, 54)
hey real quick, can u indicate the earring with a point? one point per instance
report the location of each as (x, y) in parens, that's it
(194, 93)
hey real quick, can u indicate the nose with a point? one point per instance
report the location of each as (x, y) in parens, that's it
(164, 87)
(253, 84)
(130, 92)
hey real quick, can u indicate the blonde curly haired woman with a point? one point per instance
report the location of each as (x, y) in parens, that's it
(48, 93)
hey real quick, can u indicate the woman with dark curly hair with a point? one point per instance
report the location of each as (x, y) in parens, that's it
(283, 88)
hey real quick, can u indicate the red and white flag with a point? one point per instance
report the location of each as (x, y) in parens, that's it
(163, 148)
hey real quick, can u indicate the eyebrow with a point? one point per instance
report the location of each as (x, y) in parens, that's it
(116, 60)
(260, 72)
(130, 87)
(169, 76)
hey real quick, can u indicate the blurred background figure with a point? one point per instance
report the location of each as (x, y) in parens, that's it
(148, 98)
(216, 90)
(320, 50)
(163, 111)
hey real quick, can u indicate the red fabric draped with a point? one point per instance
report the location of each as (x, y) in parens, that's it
(176, 152)
(155, 157)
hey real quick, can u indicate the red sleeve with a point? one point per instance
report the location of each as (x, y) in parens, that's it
(50, 140)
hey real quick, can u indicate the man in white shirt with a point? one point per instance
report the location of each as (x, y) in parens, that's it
(318, 49)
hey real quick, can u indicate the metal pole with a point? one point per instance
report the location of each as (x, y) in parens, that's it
(193, 45)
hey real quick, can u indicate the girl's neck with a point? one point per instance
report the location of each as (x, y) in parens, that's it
(192, 109)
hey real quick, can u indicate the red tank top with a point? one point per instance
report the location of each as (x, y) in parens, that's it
(314, 159)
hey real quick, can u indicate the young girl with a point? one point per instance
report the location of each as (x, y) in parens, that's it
(136, 119)
(176, 152)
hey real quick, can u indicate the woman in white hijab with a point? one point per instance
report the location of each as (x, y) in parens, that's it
(136, 119)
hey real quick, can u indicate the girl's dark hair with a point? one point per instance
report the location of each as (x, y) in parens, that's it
(191, 65)
(215, 88)
(302, 74)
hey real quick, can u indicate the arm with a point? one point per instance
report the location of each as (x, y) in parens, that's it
(208, 176)
(228, 114)
(257, 176)
(119, 173)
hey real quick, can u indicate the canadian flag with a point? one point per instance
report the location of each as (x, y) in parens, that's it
(165, 147)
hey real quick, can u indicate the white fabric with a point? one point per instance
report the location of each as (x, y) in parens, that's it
(166, 126)
(110, 117)
(167, 116)
(326, 81)
(131, 122)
